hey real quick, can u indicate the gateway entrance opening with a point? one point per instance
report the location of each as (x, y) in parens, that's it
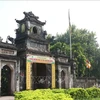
(40, 76)
(6, 80)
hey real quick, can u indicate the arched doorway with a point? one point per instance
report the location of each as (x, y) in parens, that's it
(39, 76)
(6, 80)
(62, 79)
(57, 78)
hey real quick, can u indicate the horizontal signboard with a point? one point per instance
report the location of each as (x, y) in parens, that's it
(40, 59)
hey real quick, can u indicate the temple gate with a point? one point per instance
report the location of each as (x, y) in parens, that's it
(37, 63)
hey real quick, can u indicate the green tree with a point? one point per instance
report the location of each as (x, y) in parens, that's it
(84, 46)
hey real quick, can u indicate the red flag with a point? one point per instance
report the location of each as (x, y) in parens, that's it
(88, 65)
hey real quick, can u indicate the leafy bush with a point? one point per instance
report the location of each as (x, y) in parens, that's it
(41, 94)
(93, 92)
(58, 90)
(78, 93)
(59, 94)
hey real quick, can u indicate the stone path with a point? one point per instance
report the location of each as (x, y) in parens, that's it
(7, 98)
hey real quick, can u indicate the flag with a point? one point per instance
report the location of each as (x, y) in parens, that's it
(88, 64)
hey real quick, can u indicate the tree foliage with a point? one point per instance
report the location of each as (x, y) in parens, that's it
(84, 46)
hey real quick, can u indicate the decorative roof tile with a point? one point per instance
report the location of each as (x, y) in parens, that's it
(8, 45)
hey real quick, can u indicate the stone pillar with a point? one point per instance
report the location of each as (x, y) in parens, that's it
(67, 78)
(18, 76)
(59, 68)
(28, 75)
(13, 78)
(0, 77)
(53, 75)
(28, 26)
(66, 82)
(69, 74)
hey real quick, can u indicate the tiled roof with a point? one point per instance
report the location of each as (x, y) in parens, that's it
(8, 46)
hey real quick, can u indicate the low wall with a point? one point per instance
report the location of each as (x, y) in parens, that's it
(85, 82)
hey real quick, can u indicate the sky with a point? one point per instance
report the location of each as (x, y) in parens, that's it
(83, 14)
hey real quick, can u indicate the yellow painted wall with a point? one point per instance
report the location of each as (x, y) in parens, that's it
(28, 76)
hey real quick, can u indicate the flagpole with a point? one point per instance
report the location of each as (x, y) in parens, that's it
(70, 83)
(70, 34)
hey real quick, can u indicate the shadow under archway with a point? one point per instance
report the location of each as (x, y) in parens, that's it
(6, 81)
(62, 79)
(41, 76)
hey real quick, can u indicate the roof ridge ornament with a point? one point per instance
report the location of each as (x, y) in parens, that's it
(12, 40)
(29, 16)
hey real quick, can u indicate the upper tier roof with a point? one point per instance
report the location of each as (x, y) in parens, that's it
(29, 16)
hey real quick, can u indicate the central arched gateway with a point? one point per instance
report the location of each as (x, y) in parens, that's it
(40, 72)
(39, 76)
(6, 80)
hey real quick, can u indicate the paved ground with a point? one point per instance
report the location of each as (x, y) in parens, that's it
(7, 98)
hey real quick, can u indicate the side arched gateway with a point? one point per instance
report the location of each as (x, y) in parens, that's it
(62, 79)
(8, 78)
(6, 74)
